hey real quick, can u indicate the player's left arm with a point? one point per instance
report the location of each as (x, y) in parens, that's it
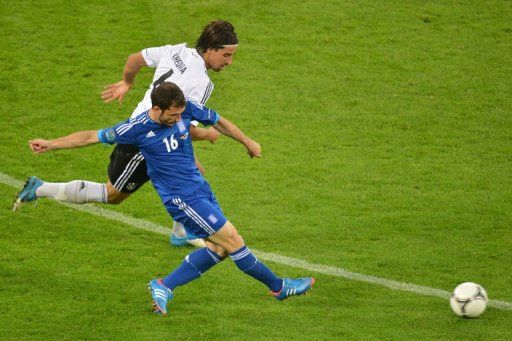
(224, 126)
(204, 134)
(75, 140)
(228, 128)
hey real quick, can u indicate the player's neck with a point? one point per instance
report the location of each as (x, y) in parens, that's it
(153, 116)
(206, 64)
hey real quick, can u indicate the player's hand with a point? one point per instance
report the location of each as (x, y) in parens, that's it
(213, 135)
(253, 149)
(115, 91)
(39, 146)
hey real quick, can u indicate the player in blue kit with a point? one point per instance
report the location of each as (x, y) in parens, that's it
(185, 66)
(162, 135)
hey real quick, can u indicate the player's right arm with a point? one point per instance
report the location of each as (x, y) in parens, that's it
(120, 133)
(75, 140)
(117, 91)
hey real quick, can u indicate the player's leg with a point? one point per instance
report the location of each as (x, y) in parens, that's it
(195, 263)
(127, 173)
(76, 191)
(193, 266)
(229, 239)
(202, 216)
(115, 196)
(126, 170)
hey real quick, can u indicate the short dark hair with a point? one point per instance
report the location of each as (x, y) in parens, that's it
(166, 95)
(215, 35)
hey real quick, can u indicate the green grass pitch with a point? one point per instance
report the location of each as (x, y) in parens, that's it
(386, 131)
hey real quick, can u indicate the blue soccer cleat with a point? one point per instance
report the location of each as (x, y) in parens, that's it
(161, 295)
(186, 241)
(28, 192)
(293, 287)
(178, 241)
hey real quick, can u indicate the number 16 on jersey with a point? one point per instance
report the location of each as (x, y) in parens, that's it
(170, 143)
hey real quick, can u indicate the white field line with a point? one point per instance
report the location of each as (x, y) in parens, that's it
(272, 257)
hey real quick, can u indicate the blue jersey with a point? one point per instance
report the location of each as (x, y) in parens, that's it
(168, 150)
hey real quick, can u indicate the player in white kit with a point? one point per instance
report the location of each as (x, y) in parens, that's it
(188, 68)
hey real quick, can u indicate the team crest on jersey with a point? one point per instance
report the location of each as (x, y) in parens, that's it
(110, 134)
(182, 128)
(130, 186)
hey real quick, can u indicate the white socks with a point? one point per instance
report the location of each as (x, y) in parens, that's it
(179, 230)
(77, 191)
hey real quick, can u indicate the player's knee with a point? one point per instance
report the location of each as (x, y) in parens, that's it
(219, 250)
(223, 253)
(233, 241)
(114, 196)
(115, 199)
(228, 238)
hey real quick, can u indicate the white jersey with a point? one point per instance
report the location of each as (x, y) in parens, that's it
(181, 65)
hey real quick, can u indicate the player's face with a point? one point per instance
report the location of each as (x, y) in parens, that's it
(217, 60)
(170, 116)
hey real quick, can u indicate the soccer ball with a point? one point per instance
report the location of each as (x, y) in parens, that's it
(468, 300)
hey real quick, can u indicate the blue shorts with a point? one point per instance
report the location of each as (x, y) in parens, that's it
(199, 212)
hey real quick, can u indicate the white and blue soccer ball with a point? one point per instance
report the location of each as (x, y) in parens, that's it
(468, 300)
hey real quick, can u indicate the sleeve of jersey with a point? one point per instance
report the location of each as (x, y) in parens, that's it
(153, 55)
(203, 114)
(121, 133)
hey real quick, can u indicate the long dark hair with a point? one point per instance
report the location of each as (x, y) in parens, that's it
(215, 35)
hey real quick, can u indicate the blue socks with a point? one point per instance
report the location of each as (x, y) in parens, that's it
(200, 261)
(192, 267)
(249, 264)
